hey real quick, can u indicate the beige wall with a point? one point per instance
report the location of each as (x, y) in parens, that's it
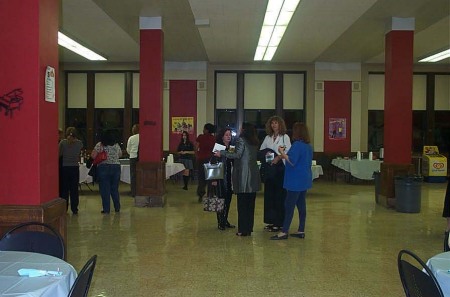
(315, 73)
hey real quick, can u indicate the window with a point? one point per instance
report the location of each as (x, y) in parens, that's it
(109, 119)
(76, 117)
(375, 132)
(226, 118)
(259, 119)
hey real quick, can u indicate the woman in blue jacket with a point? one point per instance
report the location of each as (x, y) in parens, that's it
(297, 179)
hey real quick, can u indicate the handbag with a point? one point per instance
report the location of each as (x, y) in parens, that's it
(214, 204)
(213, 170)
(101, 156)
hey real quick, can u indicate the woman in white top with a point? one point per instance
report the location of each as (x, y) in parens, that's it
(274, 193)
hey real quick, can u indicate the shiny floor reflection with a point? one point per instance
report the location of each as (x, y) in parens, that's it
(350, 248)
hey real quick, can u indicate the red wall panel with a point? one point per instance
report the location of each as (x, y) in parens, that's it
(29, 171)
(183, 103)
(337, 104)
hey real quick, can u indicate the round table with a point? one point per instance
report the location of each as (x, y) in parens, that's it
(12, 284)
(440, 266)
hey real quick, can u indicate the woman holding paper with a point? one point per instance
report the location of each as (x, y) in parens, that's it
(245, 176)
(224, 138)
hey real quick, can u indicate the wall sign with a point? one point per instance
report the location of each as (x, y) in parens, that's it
(180, 124)
(337, 128)
(50, 84)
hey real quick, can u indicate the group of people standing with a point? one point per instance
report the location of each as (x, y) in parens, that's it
(107, 172)
(289, 158)
(283, 191)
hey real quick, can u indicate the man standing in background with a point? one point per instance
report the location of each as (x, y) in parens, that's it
(133, 151)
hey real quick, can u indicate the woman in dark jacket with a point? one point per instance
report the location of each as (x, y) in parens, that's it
(186, 151)
(245, 177)
(224, 138)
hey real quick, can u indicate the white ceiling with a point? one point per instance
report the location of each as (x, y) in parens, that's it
(341, 31)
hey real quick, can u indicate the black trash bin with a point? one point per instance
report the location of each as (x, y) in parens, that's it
(408, 194)
(376, 177)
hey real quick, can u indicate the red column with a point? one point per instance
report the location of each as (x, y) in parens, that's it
(29, 135)
(398, 94)
(151, 95)
(150, 170)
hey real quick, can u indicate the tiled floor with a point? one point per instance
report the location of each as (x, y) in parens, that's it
(350, 248)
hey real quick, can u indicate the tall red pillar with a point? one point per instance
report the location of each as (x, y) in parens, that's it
(151, 168)
(399, 44)
(28, 122)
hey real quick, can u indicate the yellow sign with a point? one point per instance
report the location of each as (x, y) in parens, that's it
(180, 124)
(430, 150)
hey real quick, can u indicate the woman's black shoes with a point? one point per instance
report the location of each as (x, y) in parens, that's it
(221, 227)
(268, 227)
(298, 235)
(242, 234)
(277, 237)
(228, 225)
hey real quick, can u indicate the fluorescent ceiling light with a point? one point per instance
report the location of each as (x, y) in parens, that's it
(277, 18)
(77, 48)
(437, 57)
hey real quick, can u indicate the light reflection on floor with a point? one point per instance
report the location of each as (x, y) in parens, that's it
(350, 248)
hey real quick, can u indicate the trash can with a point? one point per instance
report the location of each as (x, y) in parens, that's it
(377, 176)
(408, 193)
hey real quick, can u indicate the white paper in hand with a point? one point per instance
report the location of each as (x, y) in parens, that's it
(218, 147)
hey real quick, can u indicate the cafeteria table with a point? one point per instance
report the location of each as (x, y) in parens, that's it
(171, 169)
(316, 171)
(440, 266)
(12, 284)
(361, 169)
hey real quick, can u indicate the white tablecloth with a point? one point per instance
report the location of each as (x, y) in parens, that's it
(11, 284)
(171, 169)
(440, 266)
(316, 171)
(362, 169)
(84, 177)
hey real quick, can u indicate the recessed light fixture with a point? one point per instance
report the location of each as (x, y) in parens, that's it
(77, 48)
(277, 18)
(437, 57)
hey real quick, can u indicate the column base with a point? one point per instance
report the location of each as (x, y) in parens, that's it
(152, 201)
(150, 184)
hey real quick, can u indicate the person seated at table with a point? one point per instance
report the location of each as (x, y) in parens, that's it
(297, 180)
(108, 171)
(133, 151)
(186, 151)
(69, 151)
(446, 214)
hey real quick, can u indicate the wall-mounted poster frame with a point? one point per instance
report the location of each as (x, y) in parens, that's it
(180, 124)
(337, 128)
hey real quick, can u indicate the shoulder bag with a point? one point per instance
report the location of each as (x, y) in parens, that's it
(101, 156)
(213, 170)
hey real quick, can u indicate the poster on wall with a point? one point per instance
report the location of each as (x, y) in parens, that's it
(50, 84)
(180, 124)
(337, 129)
